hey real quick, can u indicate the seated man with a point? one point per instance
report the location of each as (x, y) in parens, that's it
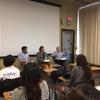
(23, 57)
(58, 54)
(42, 58)
(59, 57)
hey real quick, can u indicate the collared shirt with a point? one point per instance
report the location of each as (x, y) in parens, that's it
(24, 57)
(58, 55)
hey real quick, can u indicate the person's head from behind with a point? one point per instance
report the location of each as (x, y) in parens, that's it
(24, 49)
(81, 60)
(83, 63)
(31, 78)
(41, 48)
(8, 60)
(31, 73)
(58, 49)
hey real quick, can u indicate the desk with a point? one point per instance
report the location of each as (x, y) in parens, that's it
(61, 61)
(63, 79)
(96, 74)
(95, 70)
(46, 64)
(48, 71)
(72, 65)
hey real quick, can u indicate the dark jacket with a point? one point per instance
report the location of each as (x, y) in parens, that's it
(78, 75)
(41, 57)
(9, 85)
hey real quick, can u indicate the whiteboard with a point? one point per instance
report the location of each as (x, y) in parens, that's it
(27, 23)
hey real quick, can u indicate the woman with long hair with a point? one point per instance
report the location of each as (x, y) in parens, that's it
(34, 88)
(80, 73)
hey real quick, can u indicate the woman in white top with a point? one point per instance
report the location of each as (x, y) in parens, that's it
(34, 88)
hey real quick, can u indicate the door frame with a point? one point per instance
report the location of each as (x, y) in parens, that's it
(73, 41)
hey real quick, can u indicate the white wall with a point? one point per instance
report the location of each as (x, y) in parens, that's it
(32, 24)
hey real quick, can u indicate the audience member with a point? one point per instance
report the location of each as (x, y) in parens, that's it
(10, 71)
(34, 88)
(23, 57)
(82, 71)
(79, 73)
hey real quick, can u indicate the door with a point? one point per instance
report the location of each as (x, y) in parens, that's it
(67, 44)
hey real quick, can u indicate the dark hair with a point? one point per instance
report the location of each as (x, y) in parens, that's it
(82, 62)
(23, 48)
(41, 47)
(8, 60)
(31, 78)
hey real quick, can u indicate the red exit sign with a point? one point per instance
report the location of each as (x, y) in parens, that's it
(69, 18)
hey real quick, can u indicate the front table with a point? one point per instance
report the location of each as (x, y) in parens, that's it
(49, 70)
(60, 61)
(46, 64)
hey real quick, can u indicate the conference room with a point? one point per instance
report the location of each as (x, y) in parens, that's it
(30, 33)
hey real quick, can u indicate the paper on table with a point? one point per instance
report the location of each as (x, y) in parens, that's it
(47, 60)
(61, 58)
(98, 88)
